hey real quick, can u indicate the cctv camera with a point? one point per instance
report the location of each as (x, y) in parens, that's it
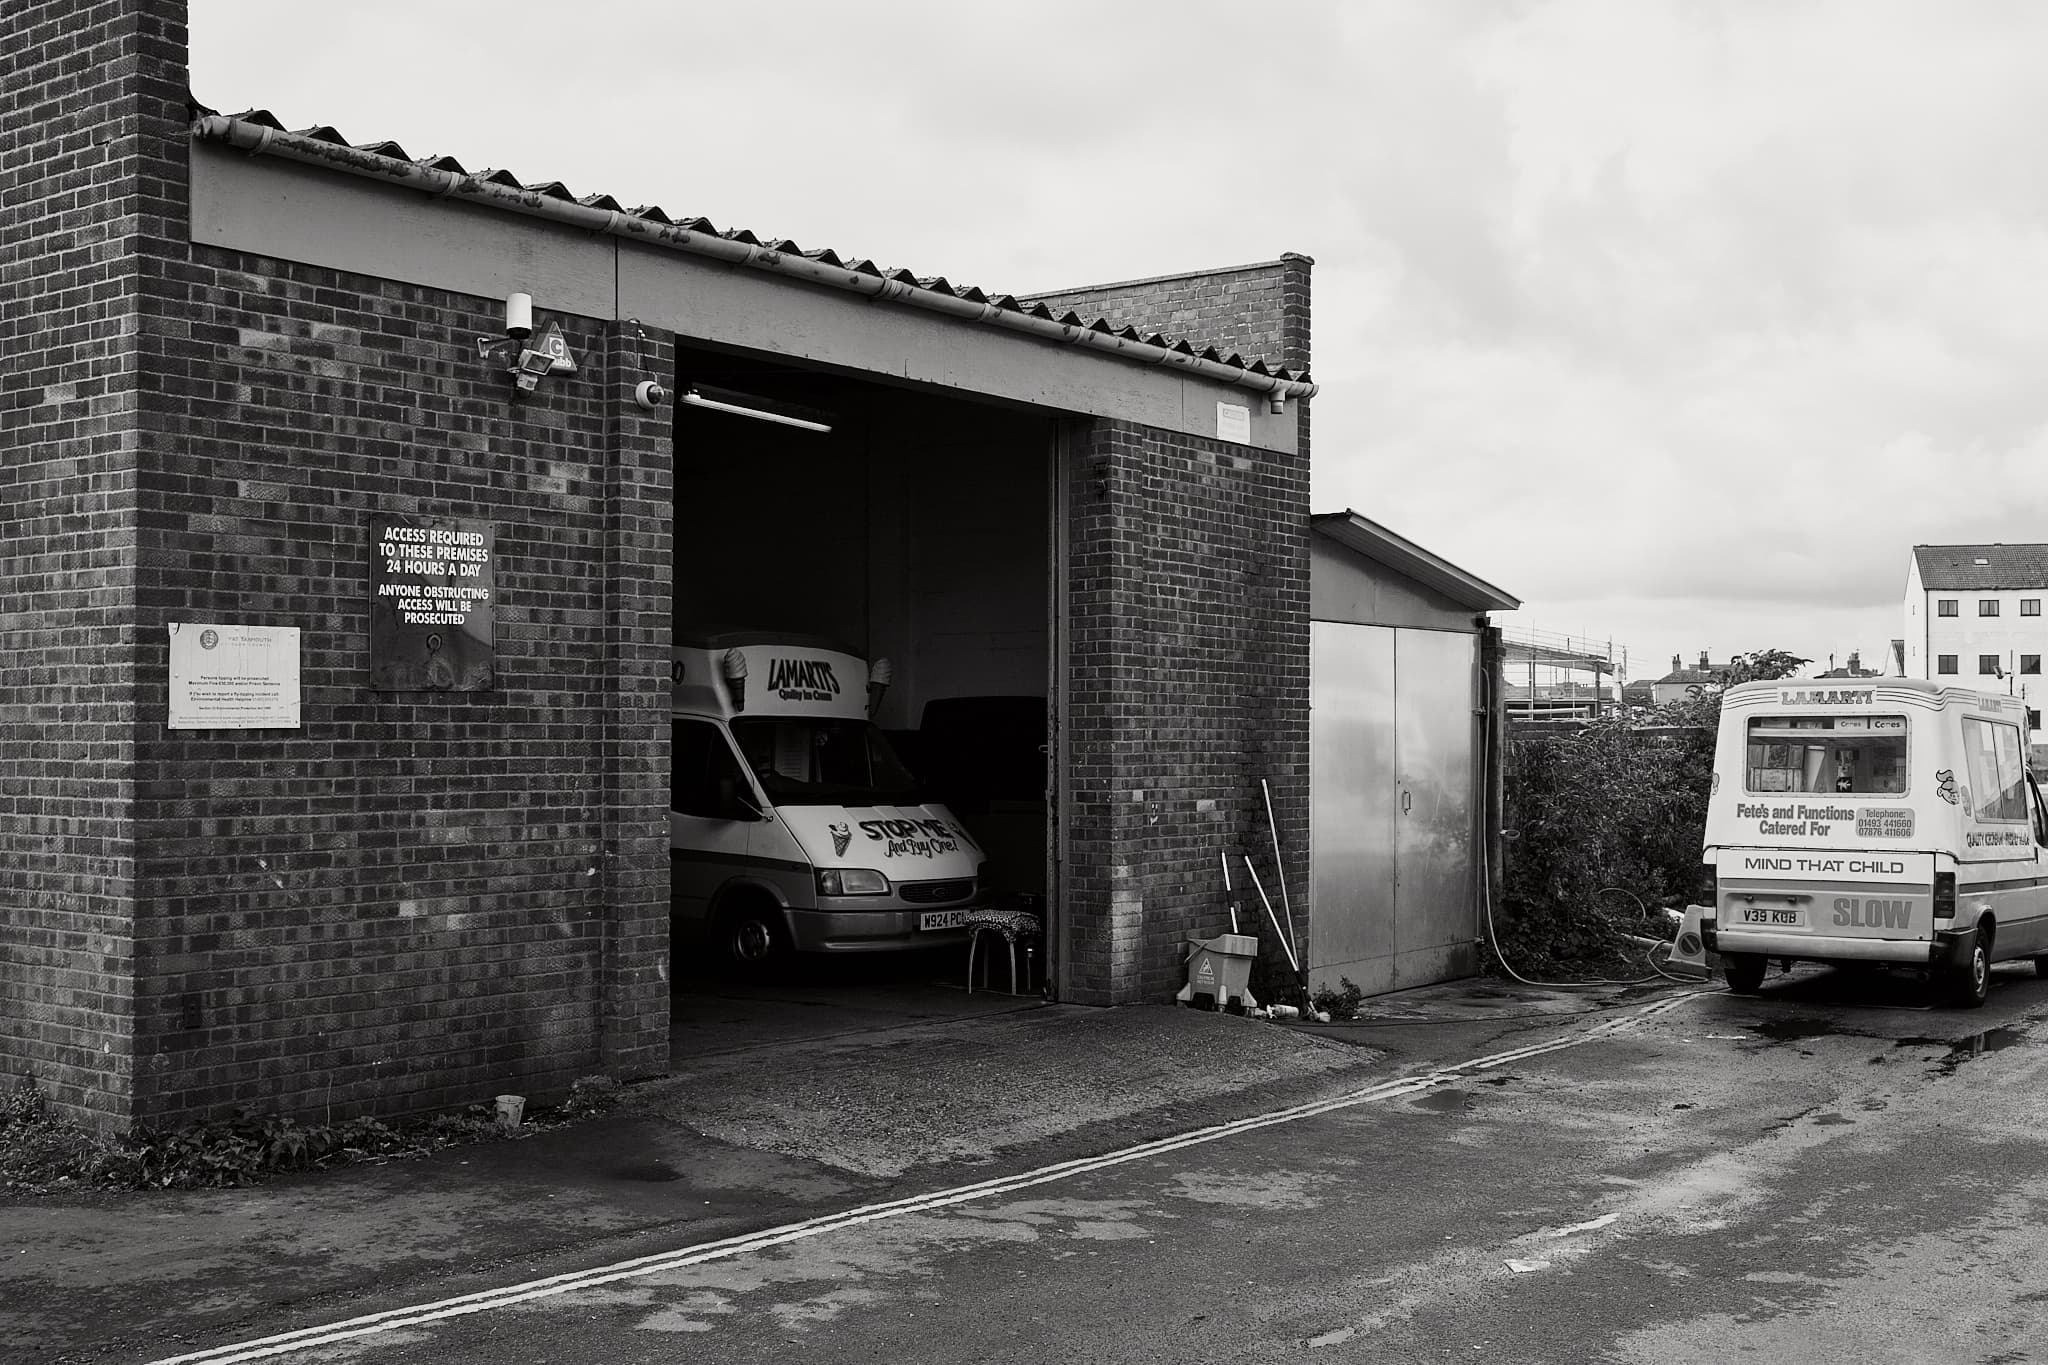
(518, 315)
(649, 394)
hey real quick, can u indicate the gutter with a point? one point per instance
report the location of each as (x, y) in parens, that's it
(259, 139)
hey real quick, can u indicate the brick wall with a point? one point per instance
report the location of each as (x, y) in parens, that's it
(1188, 615)
(1188, 666)
(1258, 311)
(88, 93)
(414, 900)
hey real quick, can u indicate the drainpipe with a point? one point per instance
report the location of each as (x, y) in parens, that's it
(256, 138)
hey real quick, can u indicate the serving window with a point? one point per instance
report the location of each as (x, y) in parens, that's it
(1998, 769)
(1854, 755)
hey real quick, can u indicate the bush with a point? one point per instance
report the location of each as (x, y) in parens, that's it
(1605, 824)
(1339, 1004)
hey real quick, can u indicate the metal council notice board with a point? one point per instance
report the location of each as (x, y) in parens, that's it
(234, 677)
(432, 600)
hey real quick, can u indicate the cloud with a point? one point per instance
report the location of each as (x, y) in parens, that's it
(1693, 314)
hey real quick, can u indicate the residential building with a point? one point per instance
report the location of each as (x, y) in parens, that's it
(1853, 669)
(1973, 618)
(1679, 683)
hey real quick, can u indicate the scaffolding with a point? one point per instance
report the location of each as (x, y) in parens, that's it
(1551, 663)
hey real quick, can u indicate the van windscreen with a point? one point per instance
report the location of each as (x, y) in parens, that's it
(823, 761)
(1863, 755)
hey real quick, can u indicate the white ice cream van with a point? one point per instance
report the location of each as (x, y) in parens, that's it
(792, 824)
(1880, 821)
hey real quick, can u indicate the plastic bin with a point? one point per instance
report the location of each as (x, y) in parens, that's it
(1219, 969)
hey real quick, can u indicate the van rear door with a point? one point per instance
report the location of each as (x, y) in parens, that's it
(1828, 893)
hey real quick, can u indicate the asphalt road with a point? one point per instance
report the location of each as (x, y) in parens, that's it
(1828, 1172)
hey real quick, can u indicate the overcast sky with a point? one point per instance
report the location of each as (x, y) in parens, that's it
(1682, 322)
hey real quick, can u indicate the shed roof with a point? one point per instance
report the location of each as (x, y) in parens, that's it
(260, 131)
(1367, 538)
(1981, 568)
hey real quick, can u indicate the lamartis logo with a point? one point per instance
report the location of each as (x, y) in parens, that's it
(802, 679)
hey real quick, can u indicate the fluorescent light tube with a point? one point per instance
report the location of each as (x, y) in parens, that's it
(698, 400)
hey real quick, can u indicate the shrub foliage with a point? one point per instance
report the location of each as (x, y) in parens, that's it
(39, 1152)
(1604, 824)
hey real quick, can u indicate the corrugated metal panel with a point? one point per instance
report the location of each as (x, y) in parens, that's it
(937, 284)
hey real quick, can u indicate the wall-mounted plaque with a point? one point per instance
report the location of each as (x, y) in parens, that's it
(234, 677)
(432, 618)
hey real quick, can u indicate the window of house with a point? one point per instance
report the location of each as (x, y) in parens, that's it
(1998, 769)
(2030, 663)
(1987, 664)
(1864, 755)
(2030, 606)
(1944, 663)
(1945, 606)
(1987, 606)
(2033, 718)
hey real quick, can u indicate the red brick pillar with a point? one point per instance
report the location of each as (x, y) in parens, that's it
(1187, 617)
(92, 170)
(639, 510)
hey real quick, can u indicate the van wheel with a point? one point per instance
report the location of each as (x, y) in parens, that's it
(1970, 985)
(749, 939)
(1745, 972)
(2041, 965)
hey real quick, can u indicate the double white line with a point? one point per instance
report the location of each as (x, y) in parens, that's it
(395, 1319)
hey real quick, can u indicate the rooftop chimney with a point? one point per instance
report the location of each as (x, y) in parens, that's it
(1703, 661)
(1677, 662)
(1855, 662)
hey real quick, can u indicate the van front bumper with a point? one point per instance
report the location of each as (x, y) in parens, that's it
(1949, 947)
(870, 931)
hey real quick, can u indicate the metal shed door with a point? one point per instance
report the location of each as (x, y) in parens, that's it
(1353, 802)
(1433, 920)
(1393, 781)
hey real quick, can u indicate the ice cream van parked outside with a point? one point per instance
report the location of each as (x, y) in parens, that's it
(793, 826)
(1888, 821)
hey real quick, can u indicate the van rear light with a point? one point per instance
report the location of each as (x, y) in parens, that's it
(1710, 885)
(1944, 895)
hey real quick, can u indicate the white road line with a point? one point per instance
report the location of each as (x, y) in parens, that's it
(305, 1338)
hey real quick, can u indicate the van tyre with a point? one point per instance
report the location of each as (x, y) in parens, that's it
(1970, 985)
(1745, 972)
(2041, 965)
(749, 939)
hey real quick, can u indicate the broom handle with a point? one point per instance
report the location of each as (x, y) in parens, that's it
(1285, 946)
(1279, 868)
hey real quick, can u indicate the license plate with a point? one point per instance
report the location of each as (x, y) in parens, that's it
(1770, 917)
(942, 919)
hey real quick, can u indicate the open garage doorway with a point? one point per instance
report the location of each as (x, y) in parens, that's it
(885, 556)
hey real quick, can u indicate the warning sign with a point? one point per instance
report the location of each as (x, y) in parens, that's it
(432, 617)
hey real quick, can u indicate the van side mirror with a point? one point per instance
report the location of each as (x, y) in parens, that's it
(734, 803)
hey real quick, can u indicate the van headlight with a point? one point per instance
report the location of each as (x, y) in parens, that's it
(851, 881)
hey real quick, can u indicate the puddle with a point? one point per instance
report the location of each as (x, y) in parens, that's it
(1832, 1120)
(1444, 1101)
(1960, 1050)
(653, 1170)
(1793, 1030)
